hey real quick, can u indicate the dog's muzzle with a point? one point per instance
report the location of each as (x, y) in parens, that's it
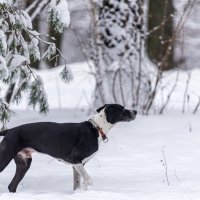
(133, 114)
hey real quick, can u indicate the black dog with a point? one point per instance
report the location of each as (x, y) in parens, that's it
(73, 143)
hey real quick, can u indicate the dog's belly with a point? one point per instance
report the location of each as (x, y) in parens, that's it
(27, 153)
(85, 160)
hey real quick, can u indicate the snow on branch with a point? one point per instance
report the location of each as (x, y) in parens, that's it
(51, 51)
(66, 75)
(58, 14)
(5, 113)
(5, 1)
(4, 73)
(19, 46)
(38, 95)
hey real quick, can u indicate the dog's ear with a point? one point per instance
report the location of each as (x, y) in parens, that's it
(101, 108)
(113, 113)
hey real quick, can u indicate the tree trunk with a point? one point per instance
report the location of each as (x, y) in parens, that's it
(158, 41)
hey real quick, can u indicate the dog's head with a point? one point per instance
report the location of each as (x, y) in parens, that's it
(117, 113)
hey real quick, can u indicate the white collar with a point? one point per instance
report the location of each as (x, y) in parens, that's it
(101, 122)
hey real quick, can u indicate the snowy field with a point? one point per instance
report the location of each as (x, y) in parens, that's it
(128, 167)
(78, 94)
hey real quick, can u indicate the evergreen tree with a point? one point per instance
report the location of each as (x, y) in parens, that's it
(19, 45)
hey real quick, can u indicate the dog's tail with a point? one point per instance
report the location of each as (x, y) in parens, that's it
(3, 133)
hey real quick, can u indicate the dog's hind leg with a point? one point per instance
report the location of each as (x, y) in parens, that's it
(22, 165)
(7, 153)
(77, 179)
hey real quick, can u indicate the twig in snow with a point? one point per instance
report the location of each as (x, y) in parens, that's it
(186, 91)
(196, 107)
(164, 162)
(169, 95)
(176, 176)
(190, 127)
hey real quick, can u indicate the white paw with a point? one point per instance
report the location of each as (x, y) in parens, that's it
(87, 184)
(90, 187)
(79, 190)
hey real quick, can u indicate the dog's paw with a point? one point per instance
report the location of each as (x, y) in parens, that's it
(79, 190)
(87, 184)
(90, 187)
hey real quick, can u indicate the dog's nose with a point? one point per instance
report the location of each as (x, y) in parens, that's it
(135, 112)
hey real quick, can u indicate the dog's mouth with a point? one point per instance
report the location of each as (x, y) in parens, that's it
(132, 115)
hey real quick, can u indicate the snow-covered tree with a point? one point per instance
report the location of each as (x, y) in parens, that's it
(19, 46)
(118, 52)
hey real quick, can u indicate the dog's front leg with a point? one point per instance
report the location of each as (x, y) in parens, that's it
(77, 179)
(82, 172)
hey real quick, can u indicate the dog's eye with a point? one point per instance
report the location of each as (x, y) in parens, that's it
(122, 111)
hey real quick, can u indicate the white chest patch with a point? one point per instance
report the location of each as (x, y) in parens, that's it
(101, 121)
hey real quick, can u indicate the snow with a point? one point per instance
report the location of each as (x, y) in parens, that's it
(76, 94)
(176, 101)
(3, 45)
(128, 167)
(79, 92)
(59, 11)
(66, 74)
(4, 1)
(17, 60)
(3, 68)
(51, 51)
(26, 19)
(38, 92)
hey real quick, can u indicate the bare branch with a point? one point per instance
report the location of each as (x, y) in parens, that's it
(186, 91)
(170, 94)
(39, 9)
(196, 107)
(31, 6)
(164, 161)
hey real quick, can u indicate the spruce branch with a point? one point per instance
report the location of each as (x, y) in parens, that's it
(5, 113)
(66, 75)
(37, 96)
(19, 46)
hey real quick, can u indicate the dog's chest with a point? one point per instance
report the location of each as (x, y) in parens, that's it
(85, 160)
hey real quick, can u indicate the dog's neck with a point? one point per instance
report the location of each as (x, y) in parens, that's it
(101, 121)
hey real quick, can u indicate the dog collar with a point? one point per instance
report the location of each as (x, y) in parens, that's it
(100, 130)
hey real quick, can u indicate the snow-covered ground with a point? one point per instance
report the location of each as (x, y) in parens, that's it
(128, 167)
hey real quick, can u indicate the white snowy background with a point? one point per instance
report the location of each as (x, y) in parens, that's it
(129, 166)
